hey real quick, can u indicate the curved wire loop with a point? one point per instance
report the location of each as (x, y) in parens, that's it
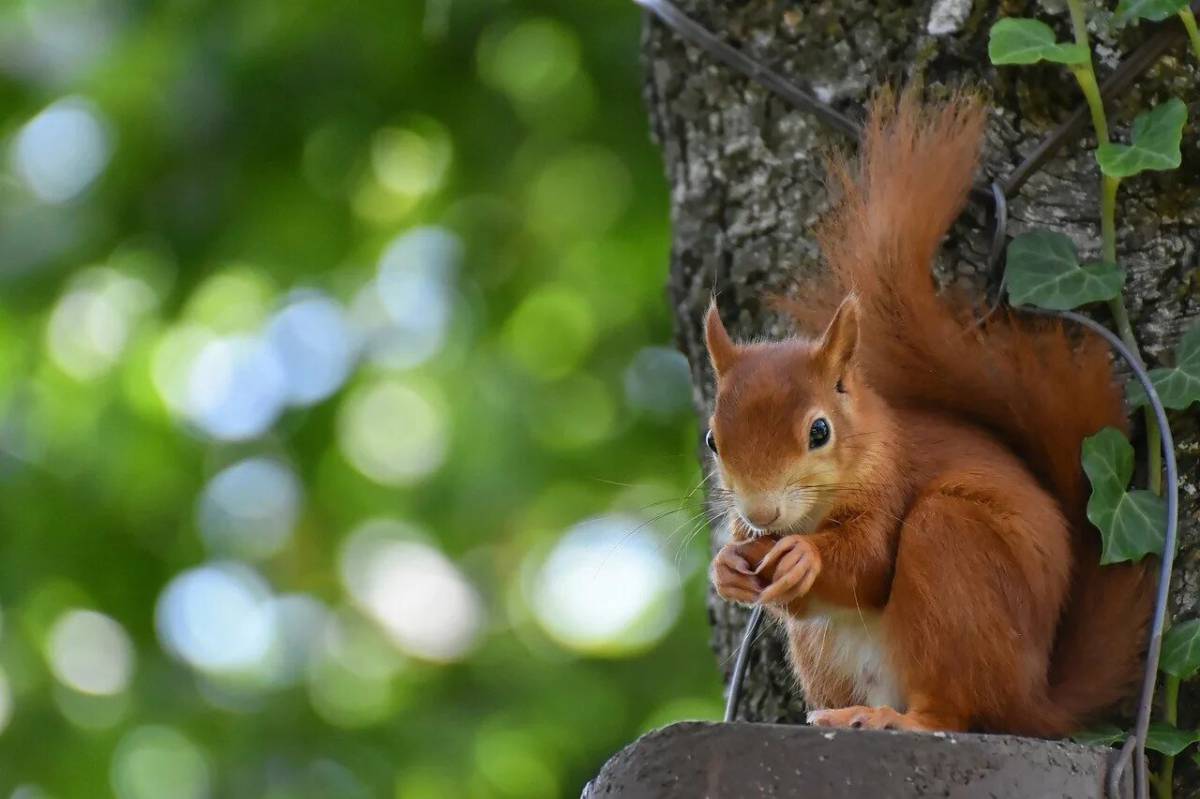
(1171, 475)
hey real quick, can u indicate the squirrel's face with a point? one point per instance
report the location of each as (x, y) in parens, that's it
(783, 428)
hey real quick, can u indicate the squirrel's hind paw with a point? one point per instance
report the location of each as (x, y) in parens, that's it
(870, 718)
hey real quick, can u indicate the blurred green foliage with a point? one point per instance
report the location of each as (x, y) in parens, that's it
(342, 452)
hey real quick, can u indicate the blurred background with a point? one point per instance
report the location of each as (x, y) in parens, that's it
(343, 450)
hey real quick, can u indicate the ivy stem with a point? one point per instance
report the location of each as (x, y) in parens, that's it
(1189, 22)
(1120, 315)
(1085, 75)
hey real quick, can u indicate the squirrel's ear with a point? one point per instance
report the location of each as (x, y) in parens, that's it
(837, 344)
(721, 349)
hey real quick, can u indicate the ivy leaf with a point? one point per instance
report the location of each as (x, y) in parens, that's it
(1168, 740)
(1101, 735)
(1153, 10)
(1181, 650)
(1131, 523)
(1177, 387)
(1028, 41)
(1155, 142)
(1043, 269)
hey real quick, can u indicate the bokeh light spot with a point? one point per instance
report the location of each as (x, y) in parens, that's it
(414, 289)
(216, 618)
(658, 382)
(92, 321)
(392, 432)
(550, 332)
(412, 161)
(62, 40)
(171, 363)
(62, 150)
(237, 387)
(155, 762)
(581, 192)
(531, 61)
(90, 652)
(235, 300)
(249, 509)
(311, 339)
(416, 594)
(607, 588)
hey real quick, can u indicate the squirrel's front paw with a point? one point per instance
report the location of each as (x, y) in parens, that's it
(794, 564)
(733, 577)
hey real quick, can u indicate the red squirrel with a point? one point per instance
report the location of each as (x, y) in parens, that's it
(905, 486)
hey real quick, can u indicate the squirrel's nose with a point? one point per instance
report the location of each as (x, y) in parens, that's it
(762, 517)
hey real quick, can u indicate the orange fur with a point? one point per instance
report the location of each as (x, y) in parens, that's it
(947, 507)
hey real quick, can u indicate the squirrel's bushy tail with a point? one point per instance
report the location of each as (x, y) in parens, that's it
(1037, 387)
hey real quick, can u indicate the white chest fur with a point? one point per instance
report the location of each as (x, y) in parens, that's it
(846, 644)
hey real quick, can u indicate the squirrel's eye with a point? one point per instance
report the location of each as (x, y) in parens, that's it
(710, 441)
(818, 434)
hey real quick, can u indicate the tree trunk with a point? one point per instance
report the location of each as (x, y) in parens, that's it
(745, 173)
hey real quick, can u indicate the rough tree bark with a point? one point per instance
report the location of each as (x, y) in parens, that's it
(745, 174)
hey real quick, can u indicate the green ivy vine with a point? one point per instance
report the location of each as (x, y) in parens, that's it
(1044, 269)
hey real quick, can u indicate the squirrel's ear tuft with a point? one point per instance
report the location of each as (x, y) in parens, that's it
(721, 349)
(837, 344)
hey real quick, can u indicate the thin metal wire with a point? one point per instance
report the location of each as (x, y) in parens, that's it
(1116, 767)
(706, 40)
(996, 272)
(1171, 476)
(739, 666)
(996, 195)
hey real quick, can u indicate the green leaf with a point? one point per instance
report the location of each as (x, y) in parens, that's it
(1101, 735)
(1132, 523)
(1043, 269)
(1028, 41)
(1181, 650)
(1154, 10)
(1155, 142)
(1168, 740)
(1179, 386)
